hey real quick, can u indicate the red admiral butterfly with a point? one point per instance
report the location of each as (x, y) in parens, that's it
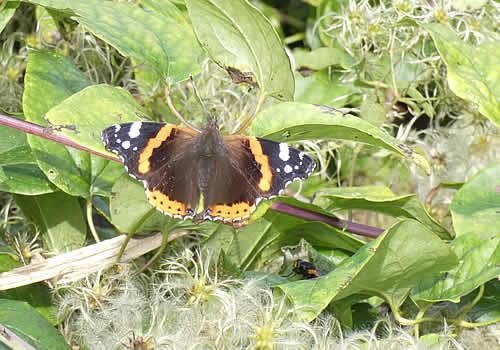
(230, 173)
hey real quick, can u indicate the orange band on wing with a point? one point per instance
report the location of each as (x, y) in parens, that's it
(163, 134)
(233, 211)
(265, 168)
(167, 205)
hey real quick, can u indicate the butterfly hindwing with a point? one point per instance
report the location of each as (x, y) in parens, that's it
(252, 169)
(286, 164)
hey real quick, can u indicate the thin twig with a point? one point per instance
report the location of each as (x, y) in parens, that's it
(48, 133)
(359, 229)
(174, 110)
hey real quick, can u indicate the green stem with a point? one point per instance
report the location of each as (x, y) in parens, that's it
(294, 38)
(420, 315)
(134, 229)
(469, 307)
(466, 324)
(90, 219)
(375, 84)
(161, 249)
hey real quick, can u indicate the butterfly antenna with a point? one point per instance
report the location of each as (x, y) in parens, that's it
(200, 101)
(174, 110)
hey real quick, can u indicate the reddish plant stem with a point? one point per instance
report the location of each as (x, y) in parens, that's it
(48, 133)
(359, 229)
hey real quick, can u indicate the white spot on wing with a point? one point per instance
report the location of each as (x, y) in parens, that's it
(301, 155)
(278, 170)
(288, 169)
(135, 129)
(126, 144)
(118, 141)
(296, 167)
(134, 149)
(117, 128)
(284, 152)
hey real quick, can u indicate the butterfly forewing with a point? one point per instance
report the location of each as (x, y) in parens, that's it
(161, 156)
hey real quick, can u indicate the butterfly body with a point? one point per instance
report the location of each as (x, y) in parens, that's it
(230, 174)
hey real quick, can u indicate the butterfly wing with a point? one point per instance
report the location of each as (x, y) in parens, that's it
(250, 170)
(162, 156)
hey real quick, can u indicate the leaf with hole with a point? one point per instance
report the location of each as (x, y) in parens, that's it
(237, 35)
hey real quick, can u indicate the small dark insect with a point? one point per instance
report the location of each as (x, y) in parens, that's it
(306, 269)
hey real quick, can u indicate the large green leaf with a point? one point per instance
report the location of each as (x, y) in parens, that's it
(235, 34)
(386, 266)
(162, 40)
(476, 205)
(50, 78)
(83, 116)
(382, 200)
(6, 12)
(479, 256)
(59, 217)
(20, 318)
(258, 243)
(292, 121)
(472, 70)
(19, 172)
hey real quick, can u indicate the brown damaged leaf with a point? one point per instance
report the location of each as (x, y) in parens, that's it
(239, 77)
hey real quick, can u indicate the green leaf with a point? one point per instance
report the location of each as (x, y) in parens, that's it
(59, 217)
(258, 243)
(322, 57)
(130, 209)
(75, 172)
(471, 69)
(476, 205)
(291, 121)
(20, 318)
(394, 261)
(479, 262)
(323, 89)
(235, 34)
(162, 40)
(37, 295)
(50, 78)
(382, 200)
(19, 172)
(83, 116)
(6, 12)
